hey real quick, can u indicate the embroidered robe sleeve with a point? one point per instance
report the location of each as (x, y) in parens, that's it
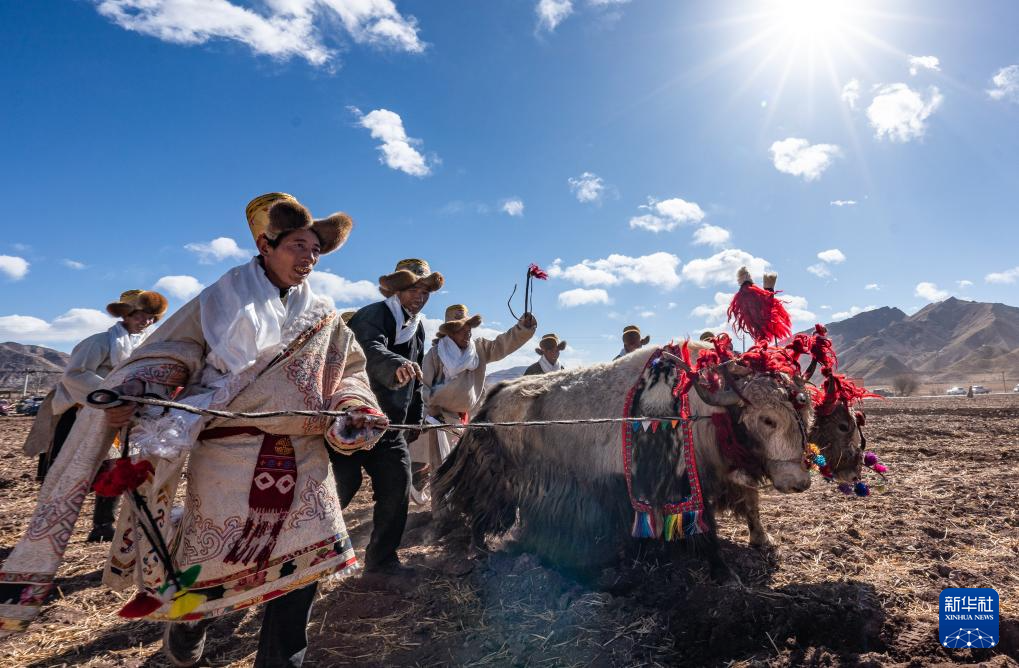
(173, 355)
(80, 377)
(431, 370)
(353, 394)
(504, 345)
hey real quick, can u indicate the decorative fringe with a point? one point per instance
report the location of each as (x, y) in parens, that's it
(643, 525)
(185, 604)
(759, 313)
(258, 539)
(672, 525)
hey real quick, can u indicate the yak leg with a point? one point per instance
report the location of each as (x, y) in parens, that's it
(720, 571)
(751, 510)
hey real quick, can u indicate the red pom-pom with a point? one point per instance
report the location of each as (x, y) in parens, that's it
(537, 272)
(124, 476)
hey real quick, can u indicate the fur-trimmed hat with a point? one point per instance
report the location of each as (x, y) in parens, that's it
(346, 316)
(458, 317)
(707, 335)
(634, 329)
(148, 301)
(410, 272)
(550, 341)
(274, 214)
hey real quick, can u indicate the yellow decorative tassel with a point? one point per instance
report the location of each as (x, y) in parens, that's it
(185, 603)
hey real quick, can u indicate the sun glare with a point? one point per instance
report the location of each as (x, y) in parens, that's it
(811, 20)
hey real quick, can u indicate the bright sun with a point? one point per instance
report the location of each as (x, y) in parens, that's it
(808, 20)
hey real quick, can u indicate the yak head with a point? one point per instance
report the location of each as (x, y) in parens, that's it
(774, 413)
(837, 433)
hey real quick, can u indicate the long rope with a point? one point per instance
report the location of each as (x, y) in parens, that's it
(208, 412)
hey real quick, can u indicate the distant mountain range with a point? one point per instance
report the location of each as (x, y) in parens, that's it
(945, 341)
(44, 366)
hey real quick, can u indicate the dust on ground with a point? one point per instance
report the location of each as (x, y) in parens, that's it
(856, 581)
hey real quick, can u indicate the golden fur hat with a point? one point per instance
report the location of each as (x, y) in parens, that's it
(707, 335)
(346, 316)
(410, 272)
(458, 317)
(550, 341)
(634, 329)
(148, 301)
(274, 214)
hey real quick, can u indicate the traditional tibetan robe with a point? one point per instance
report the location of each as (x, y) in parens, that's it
(451, 400)
(261, 515)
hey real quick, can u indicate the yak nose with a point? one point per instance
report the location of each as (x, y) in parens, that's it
(801, 485)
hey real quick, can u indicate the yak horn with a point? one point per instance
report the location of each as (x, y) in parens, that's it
(719, 398)
(770, 278)
(676, 360)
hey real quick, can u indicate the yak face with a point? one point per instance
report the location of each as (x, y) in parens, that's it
(778, 418)
(838, 436)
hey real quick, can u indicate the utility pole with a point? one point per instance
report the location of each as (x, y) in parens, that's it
(24, 390)
(1004, 387)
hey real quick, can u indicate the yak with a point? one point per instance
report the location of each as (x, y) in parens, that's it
(565, 486)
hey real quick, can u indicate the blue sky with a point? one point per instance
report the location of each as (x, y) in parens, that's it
(865, 151)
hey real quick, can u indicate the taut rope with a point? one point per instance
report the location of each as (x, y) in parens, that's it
(109, 399)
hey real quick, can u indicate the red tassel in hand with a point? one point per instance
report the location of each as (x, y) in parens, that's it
(758, 312)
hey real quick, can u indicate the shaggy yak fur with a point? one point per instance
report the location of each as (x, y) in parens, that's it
(565, 485)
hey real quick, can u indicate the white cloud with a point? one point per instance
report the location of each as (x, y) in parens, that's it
(288, 28)
(666, 215)
(916, 63)
(1007, 276)
(513, 207)
(73, 264)
(722, 267)
(711, 235)
(964, 284)
(73, 325)
(1006, 84)
(582, 297)
(552, 12)
(843, 202)
(930, 292)
(657, 269)
(832, 256)
(714, 312)
(853, 310)
(397, 148)
(647, 314)
(798, 309)
(13, 267)
(900, 113)
(588, 187)
(181, 287)
(341, 290)
(217, 250)
(799, 157)
(819, 270)
(851, 93)
(872, 286)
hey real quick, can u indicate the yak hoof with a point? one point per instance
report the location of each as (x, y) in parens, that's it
(723, 575)
(762, 540)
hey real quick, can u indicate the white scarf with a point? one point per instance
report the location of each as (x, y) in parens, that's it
(123, 343)
(456, 361)
(243, 316)
(548, 367)
(405, 330)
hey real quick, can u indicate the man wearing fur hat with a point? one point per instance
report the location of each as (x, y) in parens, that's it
(91, 361)
(262, 521)
(549, 348)
(632, 340)
(454, 374)
(393, 339)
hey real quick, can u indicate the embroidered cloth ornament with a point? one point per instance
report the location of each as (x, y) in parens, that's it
(679, 517)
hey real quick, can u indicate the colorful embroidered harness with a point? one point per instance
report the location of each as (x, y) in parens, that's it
(679, 517)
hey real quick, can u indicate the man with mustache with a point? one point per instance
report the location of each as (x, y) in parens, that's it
(393, 339)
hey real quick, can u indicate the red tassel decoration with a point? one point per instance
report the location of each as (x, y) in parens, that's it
(758, 312)
(142, 605)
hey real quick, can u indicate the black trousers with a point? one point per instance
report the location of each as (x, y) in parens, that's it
(284, 637)
(64, 425)
(388, 465)
(283, 640)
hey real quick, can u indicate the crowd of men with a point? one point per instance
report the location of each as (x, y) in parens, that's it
(252, 321)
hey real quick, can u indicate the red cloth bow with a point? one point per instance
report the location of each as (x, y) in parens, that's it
(125, 475)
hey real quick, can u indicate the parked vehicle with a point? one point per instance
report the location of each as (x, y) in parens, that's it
(1016, 388)
(881, 392)
(29, 405)
(980, 389)
(956, 391)
(5, 408)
